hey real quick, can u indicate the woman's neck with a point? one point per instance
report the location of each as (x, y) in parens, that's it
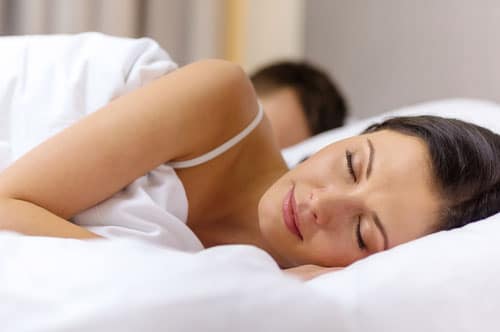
(240, 225)
(253, 167)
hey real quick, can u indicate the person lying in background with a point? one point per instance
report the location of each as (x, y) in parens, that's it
(201, 131)
(299, 99)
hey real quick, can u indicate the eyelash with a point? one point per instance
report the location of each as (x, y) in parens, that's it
(361, 243)
(348, 157)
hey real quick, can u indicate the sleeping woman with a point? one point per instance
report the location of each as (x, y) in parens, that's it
(200, 131)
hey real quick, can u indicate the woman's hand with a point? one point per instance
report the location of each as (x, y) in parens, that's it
(309, 271)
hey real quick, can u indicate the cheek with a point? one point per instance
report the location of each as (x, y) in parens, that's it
(269, 207)
(324, 248)
(332, 250)
(266, 217)
(265, 207)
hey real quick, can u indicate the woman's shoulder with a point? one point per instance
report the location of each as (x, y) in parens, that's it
(230, 104)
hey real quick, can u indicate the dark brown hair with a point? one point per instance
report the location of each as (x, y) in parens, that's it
(465, 162)
(322, 102)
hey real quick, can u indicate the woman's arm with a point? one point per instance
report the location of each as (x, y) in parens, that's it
(178, 116)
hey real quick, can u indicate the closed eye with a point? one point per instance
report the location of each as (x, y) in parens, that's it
(348, 158)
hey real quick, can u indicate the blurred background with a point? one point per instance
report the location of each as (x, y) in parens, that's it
(382, 54)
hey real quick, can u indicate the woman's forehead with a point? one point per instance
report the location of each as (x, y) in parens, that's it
(400, 162)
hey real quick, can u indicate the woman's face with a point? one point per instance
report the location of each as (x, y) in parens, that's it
(353, 198)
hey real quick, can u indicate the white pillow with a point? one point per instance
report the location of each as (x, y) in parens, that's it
(447, 281)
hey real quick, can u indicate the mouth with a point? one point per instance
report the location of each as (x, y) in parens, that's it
(290, 214)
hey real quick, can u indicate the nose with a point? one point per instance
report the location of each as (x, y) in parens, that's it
(328, 205)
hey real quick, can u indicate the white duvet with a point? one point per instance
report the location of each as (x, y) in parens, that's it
(443, 282)
(70, 285)
(48, 82)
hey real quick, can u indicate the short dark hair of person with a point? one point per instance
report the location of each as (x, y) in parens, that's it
(465, 162)
(322, 102)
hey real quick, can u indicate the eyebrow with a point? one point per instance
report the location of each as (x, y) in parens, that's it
(376, 219)
(370, 158)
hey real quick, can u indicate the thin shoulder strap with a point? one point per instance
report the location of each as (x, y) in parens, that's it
(222, 148)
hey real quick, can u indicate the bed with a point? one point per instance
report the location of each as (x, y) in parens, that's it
(443, 282)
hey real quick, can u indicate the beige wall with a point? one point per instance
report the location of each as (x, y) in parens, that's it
(263, 31)
(390, 53)
(275, 30)
(205, 38)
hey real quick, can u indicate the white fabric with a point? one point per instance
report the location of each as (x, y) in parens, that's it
(50, 82)
(446, 281)
(56, 285)
(443, 282)
(153, 209)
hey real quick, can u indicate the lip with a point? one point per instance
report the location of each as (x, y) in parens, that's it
(290, 213)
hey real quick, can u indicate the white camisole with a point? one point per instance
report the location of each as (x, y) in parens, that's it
(154, 207)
